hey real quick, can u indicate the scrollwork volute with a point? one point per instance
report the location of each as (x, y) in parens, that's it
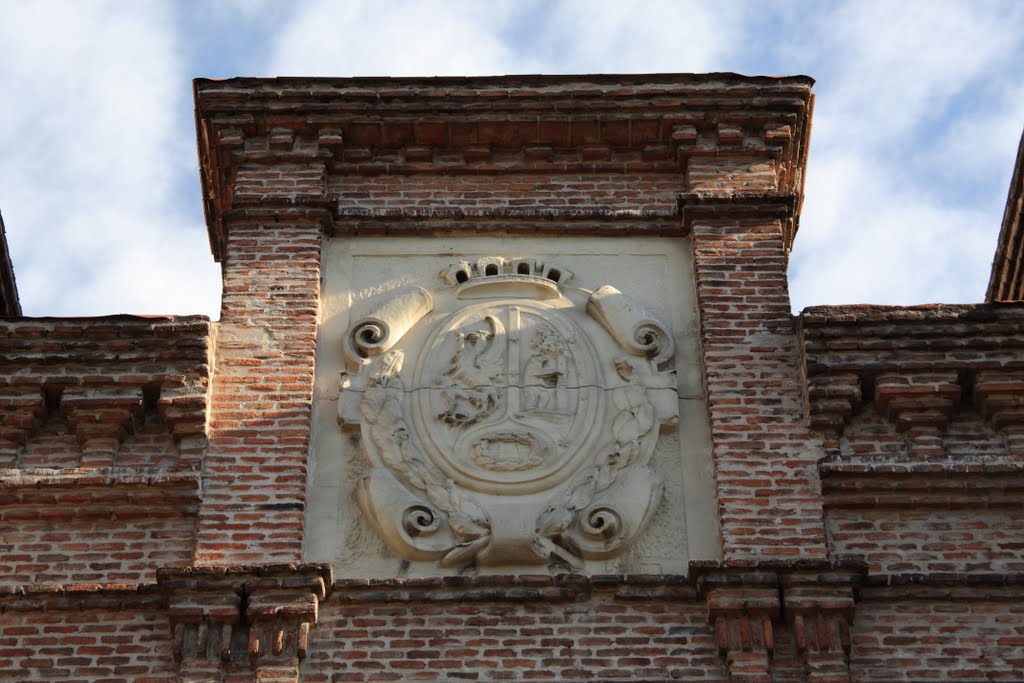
(636, 329)
(377, 332)
(518, 433)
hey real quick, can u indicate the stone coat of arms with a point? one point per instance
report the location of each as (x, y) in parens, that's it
(509, 417)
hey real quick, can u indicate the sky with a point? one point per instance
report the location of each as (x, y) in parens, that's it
(919, 109)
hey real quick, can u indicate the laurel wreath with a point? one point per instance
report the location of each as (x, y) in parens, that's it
(382, 408)
(635, 419)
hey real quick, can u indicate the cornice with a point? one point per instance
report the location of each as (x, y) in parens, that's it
(637, 124)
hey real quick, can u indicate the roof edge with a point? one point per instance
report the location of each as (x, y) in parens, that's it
(10, 304)
(510, 79)
(1006, 283)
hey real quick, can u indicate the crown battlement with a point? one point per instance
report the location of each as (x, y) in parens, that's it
(463, 272)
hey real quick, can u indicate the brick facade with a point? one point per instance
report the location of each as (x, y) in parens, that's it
(867, 460)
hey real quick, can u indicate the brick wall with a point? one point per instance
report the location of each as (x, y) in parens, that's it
(948, 635)
(84, 636)
(113, 550)
(545, 631)
(102, 434)
(514, 190)
(768, 496)
(919, 411)
(867, 459)
(255, 471)
(931, 541)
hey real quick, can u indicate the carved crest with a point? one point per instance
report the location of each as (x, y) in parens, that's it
(517, 428)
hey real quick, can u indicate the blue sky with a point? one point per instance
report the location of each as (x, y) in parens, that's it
(920, 106)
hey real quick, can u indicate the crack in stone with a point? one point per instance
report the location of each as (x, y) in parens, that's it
(415, 390)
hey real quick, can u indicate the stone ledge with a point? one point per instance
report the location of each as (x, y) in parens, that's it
(554, 214)
(915, 485)
(52, 496)
(523, 588)
(943, 587)
(508, 221)
(81, 478)
(77, 597)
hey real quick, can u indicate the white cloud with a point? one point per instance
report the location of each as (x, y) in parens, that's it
(864, 241)
(582, 36)
(979, 142)
(914, 129)
(918, 113)
(467, 38)
(412, 38)
(894, 66)
(95, 150)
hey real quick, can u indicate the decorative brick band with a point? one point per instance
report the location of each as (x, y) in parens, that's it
(920, 368)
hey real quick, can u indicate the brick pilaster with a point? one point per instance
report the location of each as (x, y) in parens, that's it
(255, 470)
(769, 495)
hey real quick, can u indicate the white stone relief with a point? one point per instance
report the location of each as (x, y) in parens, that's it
(387, 324)
(517, 433)
(637, 330)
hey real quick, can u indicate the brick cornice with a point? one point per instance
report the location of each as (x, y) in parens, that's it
(707, 207)
(915, 485)
(275, 604)
(745, 602)
(300, 130)
(101, 376)
(917, 363)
